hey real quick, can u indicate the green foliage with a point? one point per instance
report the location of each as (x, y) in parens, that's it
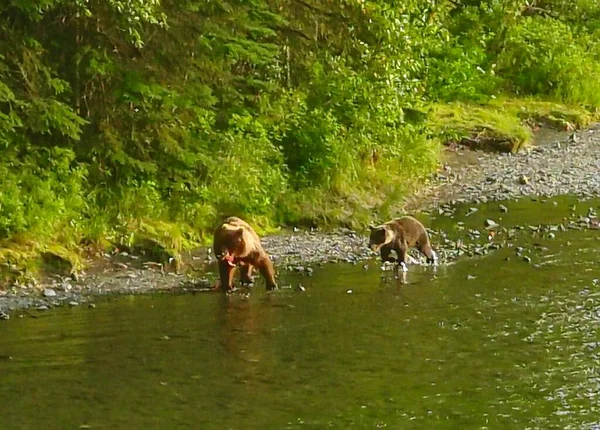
(246, 175)
(40, 193)
(457, 74)
(546, 57)
(157, 118)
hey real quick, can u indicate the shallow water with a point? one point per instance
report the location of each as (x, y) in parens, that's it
(488, 342)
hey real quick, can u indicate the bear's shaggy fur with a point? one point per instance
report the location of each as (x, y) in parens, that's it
(399, 235)
(235, 243)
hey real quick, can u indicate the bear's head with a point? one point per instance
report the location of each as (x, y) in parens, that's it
(233, 243)
(380, 235)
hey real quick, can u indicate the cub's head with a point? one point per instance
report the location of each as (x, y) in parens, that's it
(380, 235)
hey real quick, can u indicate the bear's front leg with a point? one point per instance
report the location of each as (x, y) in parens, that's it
(226, 274)
(246, 273)
(385, 255)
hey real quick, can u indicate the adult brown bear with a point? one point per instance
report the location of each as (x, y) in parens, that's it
(399, 235)
(235, 243)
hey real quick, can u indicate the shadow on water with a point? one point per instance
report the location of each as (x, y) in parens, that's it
(489, 342)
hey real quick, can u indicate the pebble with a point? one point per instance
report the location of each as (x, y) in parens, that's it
(553, 167)
(490, 223)
(49, 292)
(472, 211)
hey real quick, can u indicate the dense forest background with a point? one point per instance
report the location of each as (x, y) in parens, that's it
(147, 118)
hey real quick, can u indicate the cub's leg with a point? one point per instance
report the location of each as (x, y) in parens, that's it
(246, 272)
(265, 267)
(385, 254)
(401, 249)
(428, 252)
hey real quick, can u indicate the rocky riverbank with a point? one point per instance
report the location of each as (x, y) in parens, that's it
(568, 166)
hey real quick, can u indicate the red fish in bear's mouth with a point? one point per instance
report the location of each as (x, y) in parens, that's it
(229, 258)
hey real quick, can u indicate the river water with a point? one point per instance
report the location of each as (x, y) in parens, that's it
(488, 342)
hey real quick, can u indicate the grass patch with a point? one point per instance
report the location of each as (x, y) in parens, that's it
(556, 115)
(320, 208)
(379, 194)
(479, 126)
(16, 262)
(25, 260)
(502, 125)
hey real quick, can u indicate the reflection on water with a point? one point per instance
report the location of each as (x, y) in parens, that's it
(490, 342)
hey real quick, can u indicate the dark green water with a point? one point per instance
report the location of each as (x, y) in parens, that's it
(516, 347)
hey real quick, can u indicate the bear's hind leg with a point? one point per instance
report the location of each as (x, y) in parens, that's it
(265, 267)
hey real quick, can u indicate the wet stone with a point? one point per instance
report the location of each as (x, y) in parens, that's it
(49, 292)
(471, 211)
(490, 223)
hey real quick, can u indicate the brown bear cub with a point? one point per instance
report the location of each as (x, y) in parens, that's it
(235, 244)
(399, 235)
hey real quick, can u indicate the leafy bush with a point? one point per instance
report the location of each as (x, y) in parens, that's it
(462, 73)
(544, 57)
(41, 194)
